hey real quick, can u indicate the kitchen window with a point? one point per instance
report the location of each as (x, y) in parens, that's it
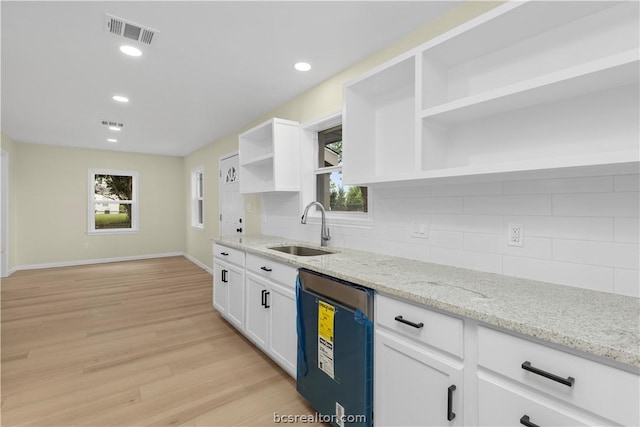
(197, 198)
(330, 190)
(113, 206)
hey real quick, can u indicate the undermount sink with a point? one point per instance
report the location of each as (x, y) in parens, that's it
(300, 250)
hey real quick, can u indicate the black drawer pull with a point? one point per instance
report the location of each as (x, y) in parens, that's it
(450, 414)
(224, 253)
(410, 323)
(267, 269)
(566, 381)
(525, 422)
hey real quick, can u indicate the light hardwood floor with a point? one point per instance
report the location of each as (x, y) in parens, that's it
(131, 344)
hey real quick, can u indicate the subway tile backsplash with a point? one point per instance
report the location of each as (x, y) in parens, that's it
(580, 232)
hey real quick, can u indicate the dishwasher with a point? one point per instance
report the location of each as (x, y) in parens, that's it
(335, 348)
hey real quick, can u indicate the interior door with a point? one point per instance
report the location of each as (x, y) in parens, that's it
(231, 201)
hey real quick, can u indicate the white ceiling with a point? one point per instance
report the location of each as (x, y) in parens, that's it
(213, 67)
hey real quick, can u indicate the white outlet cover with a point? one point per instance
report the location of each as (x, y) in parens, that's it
(515, 235)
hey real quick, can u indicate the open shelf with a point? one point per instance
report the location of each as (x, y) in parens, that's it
(380, 121)
(269, 157)
(258, 160)
(529, 89)
(616, 70)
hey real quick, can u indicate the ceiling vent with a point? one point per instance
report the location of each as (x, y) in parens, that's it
(129, 30)
(109, 123)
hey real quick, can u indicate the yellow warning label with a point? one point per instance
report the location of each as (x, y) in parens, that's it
(325, 320)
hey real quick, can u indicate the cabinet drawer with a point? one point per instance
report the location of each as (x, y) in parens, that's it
(435, 329)
(501, 406)
(264, 267)
(229, 255)
(598, 388)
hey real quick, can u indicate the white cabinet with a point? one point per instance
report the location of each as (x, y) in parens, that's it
(269, 157)
(548, 386)
(557, 97)
(228, 284)
(416, 381)
(271, 310)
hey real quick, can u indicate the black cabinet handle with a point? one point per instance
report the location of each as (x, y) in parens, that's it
(224, 276)
(408, 322)
(566, 381)
(450, 414)
(525, 422)
(263, 298)
(265, 269)
(239, 230)
(266, 302)
(224, 253)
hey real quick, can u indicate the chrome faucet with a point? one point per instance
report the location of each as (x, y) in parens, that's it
(324, 230)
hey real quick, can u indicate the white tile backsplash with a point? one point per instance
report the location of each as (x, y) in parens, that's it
(622, 204)
(577, 231)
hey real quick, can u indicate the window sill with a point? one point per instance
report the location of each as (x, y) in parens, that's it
(343, 220)
(109, 232)
(199, 228)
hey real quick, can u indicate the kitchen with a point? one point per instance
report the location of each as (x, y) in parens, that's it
(502, 209)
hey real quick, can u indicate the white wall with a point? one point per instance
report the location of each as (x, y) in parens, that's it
(577, 231)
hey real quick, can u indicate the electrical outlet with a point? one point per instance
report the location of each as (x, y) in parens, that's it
(85, 246)
(420, 229)
(515, 235)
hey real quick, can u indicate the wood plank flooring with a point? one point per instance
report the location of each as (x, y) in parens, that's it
(131, 344)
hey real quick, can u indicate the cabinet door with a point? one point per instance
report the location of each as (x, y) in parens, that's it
(283, 337)
(220, 273)
(413, 386)
(257, 311)
(235, 296)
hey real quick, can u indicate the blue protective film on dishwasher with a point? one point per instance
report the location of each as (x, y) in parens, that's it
(302, 368)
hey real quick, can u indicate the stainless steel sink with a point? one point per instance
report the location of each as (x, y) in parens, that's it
(300, 250)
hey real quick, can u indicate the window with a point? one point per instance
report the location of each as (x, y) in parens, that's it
(113, 206)
(197, 198)
(330, 191)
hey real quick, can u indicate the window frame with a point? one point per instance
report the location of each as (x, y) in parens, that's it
(337, 218)
(91, 225)
(195, 198)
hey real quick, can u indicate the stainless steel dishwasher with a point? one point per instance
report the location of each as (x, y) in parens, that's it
(335, 348)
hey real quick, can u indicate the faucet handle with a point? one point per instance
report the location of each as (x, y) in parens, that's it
(328, 236)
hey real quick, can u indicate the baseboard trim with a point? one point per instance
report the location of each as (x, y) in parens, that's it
(199, 264)
(93, 261)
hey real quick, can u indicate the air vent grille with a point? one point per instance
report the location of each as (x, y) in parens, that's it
(130, 30)
(110, 123)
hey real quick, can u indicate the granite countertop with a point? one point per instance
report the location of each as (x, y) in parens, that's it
(599, 323)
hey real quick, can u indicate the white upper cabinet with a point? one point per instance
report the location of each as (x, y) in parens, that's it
(528, 89)
(269, 157)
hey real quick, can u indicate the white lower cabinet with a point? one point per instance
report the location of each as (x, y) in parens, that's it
(271, 310)
(415, 384)
(525, 382)
(502, 405)
(228, 284)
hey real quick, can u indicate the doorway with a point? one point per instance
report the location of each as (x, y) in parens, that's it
(4, 215)
(231, 201)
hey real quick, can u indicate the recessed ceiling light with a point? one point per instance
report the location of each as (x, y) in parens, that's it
(302, 66)
(116, 128)
(130, 50)
(112, 140)
(120, 98)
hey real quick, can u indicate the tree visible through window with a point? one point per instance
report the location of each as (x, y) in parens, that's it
(330, 190)
(113, 201)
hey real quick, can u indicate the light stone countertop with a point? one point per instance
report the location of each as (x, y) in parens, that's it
(598, 323)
